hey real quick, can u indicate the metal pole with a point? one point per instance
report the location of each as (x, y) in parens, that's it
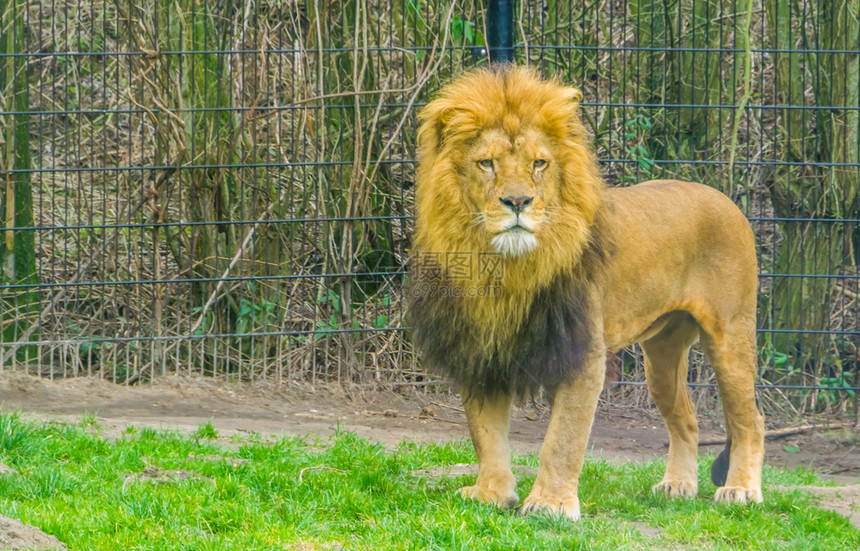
(500, 31)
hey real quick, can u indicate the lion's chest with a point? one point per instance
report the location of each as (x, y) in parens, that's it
(514, 343)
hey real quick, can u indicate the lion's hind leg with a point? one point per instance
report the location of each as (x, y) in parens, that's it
(733, 356)
(666, 364)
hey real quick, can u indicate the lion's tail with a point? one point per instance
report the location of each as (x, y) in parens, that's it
(720, 466)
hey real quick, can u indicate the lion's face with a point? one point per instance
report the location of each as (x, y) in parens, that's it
(505, 167)
(512, 183)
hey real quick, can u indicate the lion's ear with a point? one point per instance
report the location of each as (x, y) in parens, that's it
(570, 111)
(573, 95)
(434, 118)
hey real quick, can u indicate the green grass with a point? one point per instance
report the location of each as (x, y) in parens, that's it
(348, 493)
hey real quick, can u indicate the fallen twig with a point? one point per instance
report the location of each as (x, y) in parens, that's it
(440, 404)
(442, 419)
(779, 433)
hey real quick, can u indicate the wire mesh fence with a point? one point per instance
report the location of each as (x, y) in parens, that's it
(225, 188)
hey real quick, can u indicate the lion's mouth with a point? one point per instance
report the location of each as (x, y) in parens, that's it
(518, 227)
(518, 224)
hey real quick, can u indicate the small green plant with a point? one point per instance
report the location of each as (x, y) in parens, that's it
(837, 385)
(89, 348)
(206, 431)
(380, 322)
(770, 356)
(462, 28)
(90, 419)
(415, 8)
(206, 323)
(253, 315)
(332, 298)
(636, 131)
(327, 327)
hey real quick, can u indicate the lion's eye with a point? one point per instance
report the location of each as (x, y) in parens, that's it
(486, 164)
(539, 164)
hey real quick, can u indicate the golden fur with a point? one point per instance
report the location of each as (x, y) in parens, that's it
(506, 171)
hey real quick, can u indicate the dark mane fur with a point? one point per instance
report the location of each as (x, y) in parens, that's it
(551, 345)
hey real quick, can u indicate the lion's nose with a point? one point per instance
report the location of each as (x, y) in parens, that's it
(516, 204)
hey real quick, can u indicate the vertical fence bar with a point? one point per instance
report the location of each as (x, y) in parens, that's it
(500, 31)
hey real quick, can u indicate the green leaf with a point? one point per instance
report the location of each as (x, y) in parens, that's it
(457, 28)
(334, 298)
(791, 449)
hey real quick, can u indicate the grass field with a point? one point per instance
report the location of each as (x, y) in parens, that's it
(159, 490)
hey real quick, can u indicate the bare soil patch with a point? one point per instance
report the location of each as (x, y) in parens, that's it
(844, 500)
(14, 536)
(237, 410)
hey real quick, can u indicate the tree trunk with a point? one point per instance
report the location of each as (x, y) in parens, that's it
(699, 82)
(18, 307)
(825, 192)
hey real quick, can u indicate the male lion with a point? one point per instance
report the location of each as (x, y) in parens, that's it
(527, 270)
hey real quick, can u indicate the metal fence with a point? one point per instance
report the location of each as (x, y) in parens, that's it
(225, 188)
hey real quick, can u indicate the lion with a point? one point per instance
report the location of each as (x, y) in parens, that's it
(527, 270)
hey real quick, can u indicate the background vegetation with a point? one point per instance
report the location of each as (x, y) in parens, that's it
(226, 188)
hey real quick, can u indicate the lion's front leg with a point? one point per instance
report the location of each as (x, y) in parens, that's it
(563, 450)
(489, 418)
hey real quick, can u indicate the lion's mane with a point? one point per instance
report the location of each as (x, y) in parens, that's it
(537, 329)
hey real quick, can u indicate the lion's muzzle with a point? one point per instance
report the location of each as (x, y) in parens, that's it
(514, 242)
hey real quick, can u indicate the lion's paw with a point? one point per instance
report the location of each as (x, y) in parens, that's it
(738, 494)
(676, 488)
(505, 499)
(552, 506)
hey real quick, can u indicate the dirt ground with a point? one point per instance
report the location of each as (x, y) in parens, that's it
(15, 536)
(390, 417)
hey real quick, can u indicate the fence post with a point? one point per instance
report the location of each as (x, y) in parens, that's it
(500, 31)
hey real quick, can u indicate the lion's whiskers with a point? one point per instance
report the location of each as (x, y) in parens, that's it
(478, 218)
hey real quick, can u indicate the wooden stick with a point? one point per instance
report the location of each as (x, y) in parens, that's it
(778, 433)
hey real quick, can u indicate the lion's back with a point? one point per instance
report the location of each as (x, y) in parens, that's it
(678, 245)
(692, 217)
